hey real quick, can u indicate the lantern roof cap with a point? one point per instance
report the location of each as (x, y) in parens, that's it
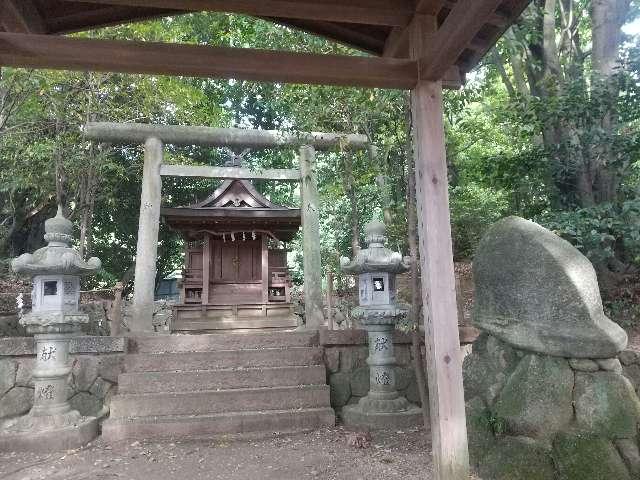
(376, 257)
(58, 257)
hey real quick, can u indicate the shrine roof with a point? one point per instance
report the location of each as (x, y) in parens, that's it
(465, 31)
(235, 203)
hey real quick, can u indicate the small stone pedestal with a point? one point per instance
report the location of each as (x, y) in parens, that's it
(383, 407)
(51, 424)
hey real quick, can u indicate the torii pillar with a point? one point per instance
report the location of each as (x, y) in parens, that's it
(314, 318)
(147, 247)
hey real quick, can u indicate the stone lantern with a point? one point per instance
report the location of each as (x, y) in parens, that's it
(377, 267)
(54, 320)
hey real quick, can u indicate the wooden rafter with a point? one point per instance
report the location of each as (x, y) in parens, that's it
(370, 12)
(46, 51)
(454, 35)
(21, 16)
(336, 32)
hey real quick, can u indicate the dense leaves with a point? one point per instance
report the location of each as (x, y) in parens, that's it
(537, 132)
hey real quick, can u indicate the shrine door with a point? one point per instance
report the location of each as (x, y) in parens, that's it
(236, 262)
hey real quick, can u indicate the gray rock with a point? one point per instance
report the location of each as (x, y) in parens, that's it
(479, 430)
(628, 357)
(404, 377)
(412, 393)
(517, 458)
(584, 365)
(610, 365)
(606, 405)
(340, 388)
(332, 359)
(16, 401)
(110, 366)
(86, 404)
(629, 452)
(353, 358)
(580, 457)
(360, 382)
(537, 292)
(25, 371)
(84, 372)
(487, 368)
(8, 369)
(632, 372)
(537, 399)
(100, 388)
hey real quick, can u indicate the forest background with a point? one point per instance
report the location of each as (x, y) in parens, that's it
(548, 128)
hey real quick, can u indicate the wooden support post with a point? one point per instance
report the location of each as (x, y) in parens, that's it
(330, 300)
(265, 269)
(206, 268)
(444, 359)
(314, 317)
(147, 248)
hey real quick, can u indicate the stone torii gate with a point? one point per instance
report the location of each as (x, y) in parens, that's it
(154, 137)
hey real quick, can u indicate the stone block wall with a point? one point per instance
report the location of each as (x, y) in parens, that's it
(345, 355)
(630, 360)
(96, 364)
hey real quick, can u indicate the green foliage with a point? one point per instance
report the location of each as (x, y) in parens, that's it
(603, 232)
(473, 209)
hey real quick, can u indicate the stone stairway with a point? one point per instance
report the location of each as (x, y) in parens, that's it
(208, 385)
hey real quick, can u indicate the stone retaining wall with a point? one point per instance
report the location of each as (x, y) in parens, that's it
(345, 355)
(630, 360)
(97, 362)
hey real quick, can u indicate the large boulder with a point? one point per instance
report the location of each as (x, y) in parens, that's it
(537, 399)
(536, 292)
(606, 405)
(580, 457)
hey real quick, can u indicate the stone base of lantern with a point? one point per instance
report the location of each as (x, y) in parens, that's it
(47, 438)
(357, 416)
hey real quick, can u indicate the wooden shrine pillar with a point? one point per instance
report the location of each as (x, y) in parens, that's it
(444, 358)
(206, 267)
(314, 317)
(147, 247)
(265, 269)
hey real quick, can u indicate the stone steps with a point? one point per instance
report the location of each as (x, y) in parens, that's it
(218, 341)
(234, 378)
(203, 385)
(248, 358)
(181, 426)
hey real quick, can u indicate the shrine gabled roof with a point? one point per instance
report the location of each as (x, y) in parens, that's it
(235, 202)
(374, 26)
(236, 193)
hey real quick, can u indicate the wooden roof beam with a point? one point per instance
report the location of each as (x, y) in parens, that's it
(459, 29)
(429, 7)
(370, 12)
(21, 16)
(65, 53)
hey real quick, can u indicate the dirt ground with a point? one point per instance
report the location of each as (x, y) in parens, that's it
(323, 454)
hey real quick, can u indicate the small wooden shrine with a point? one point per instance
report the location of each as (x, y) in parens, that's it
(235, 269)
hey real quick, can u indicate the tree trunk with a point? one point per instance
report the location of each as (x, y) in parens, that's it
(607, 18)
(348, 180)
(416, 303)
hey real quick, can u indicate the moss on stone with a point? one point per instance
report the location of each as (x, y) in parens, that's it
(517, 458)
(606, 405)
(537, 399)
(584, 457)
